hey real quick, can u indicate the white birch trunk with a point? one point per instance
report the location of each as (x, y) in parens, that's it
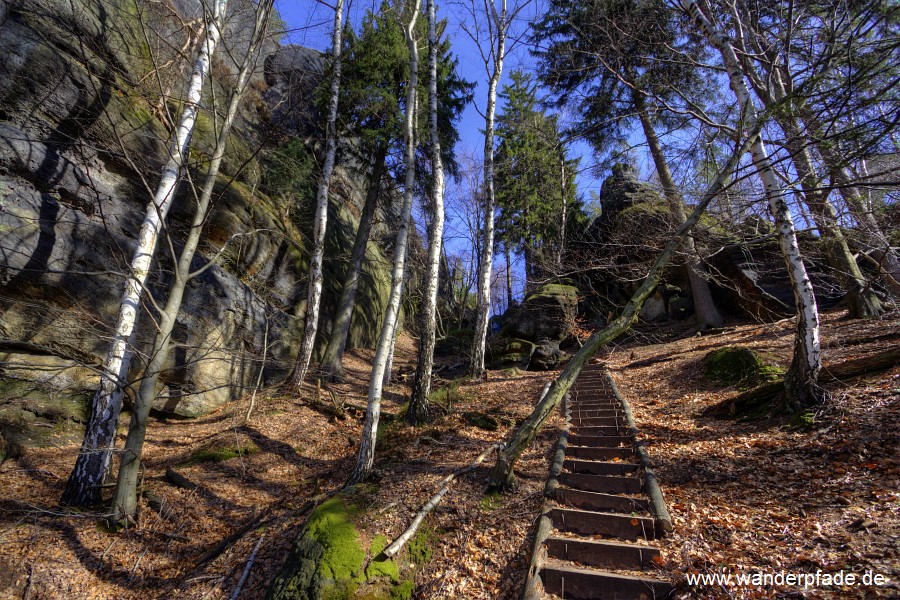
(124, 505)
(366, 457)
(83, 486)
(801, 381)
(486, 260)
(314, 295)
(418, 410)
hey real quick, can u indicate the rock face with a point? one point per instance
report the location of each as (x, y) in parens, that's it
(748, 281)
(534, 330)
(81, 141)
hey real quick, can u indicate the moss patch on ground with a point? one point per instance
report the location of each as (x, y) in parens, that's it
(222, 453)
(738, 365)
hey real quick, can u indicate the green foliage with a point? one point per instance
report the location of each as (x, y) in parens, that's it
(491, 501)
(403, 591)
(374, 76)
(535, 180)
(644, 48)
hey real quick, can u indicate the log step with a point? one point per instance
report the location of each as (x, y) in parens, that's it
(601, 441)
(601, 430)
(599, 468)
(598, 502)
(604, 484)
(624, 527)
(598, 421)
(593, 453)
(585, 584)
(601, 553)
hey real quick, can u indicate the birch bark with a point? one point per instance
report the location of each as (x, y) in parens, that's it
(83, 485)
(366, 456)
(486, 260)
(419, 410)
(801, 381)
(314, 294)
(124, 505)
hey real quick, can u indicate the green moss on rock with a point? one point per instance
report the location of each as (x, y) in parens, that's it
(381, 568)
(735, 365)
(326, 561)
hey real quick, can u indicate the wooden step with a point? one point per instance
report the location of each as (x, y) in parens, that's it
(591, 420)
(585, 522)
(586, 584)
(604, 484)
(601, 553)
(601, 441)
(601, 430)
(593, 467)
(598, 502)
(592, 453)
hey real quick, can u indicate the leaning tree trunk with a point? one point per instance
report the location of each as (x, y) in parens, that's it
(502, 475)
(419, 410)
(124, 505)
(314, 294)
(705, 312)
(83, 486)
(801, 382)
(366, 457)
(486, 260)
(332, 361)
(873, 238)
(861, 298)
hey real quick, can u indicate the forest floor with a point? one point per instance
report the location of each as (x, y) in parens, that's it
(821, 494)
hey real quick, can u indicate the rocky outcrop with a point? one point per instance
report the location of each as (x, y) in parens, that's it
(81, 141)
(533, 331)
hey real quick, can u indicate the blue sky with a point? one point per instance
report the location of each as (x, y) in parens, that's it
(310, 24)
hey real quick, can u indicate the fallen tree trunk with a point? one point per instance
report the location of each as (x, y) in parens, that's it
(758, 397)
(502, 475)
(407, 535)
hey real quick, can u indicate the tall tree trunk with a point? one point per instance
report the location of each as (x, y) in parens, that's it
(124, 505)
(419, 410)
(801, 381)
(705, 312)
(861, 298)
(501, 476)
(366, 456)
(332, 361)
(83, 485)
(486, 258)
(314, 295)
(873, 238)
(509, 292)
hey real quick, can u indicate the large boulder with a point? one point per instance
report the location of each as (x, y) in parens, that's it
(78, 137)
(549, 313)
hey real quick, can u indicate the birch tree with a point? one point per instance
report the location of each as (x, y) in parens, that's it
(366, 456)
(497, 23)
(801, 381)
(776, 87)
(419, 410)
(83, 485)
(314, 294)
(124, 504)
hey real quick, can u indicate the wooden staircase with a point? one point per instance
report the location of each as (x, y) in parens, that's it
(603, 506)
